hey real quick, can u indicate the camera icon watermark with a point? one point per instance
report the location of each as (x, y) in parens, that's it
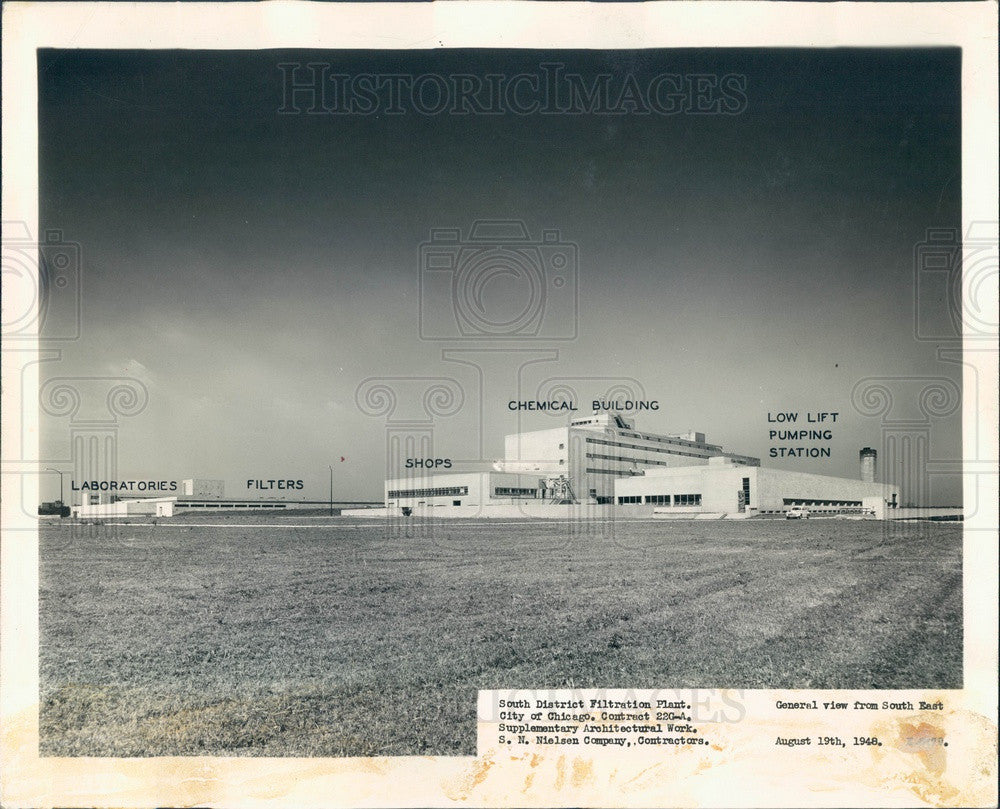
(956, 284)
(42, 283)
(498, 283)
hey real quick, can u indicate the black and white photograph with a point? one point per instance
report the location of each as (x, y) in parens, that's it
(374, 384)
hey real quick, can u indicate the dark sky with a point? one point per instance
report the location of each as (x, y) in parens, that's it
(253, 267)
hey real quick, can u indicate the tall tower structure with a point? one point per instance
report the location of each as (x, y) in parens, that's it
(868, 458)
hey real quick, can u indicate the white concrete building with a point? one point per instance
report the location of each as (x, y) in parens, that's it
(423, 490)
(149, 506)
(603, 464)
(203, 488)
(723, 488)
(577, 463)
(594, 451)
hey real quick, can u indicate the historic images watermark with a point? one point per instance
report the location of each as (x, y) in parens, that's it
(43, 280)
(539, 276)
(411, 407)
(955, 281)
(43, 284)
(501, 295)
(316, 88)
(961, 272)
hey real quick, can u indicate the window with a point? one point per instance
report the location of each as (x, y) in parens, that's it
(658, 499)
(687, 499)
(562, 446)
(628, 499)
(456, 502)
(514, 491)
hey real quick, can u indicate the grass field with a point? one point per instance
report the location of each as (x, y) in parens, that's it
(336, 639)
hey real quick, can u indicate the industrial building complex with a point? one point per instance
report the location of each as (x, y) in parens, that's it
(604, 460)
(595, 465)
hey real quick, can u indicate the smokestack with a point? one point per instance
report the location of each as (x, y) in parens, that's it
(868, 457)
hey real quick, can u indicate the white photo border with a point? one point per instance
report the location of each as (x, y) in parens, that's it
(30, 780)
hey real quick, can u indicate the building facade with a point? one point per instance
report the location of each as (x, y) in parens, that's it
(597, 450)
(430, 490)
(723, 488)
(107, 507)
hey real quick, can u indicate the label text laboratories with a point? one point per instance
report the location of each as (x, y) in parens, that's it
(596, 404)
(124, 486)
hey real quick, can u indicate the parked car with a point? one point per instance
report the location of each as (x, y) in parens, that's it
(797, 514)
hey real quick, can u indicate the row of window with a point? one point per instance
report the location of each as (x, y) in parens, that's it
(661, 499)
(445, 491)
(798, 501)
(712, 449)
(514, 491)
(626, 459)
(844, 510)
(230, 505)
(680, 442)
(647, 449)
